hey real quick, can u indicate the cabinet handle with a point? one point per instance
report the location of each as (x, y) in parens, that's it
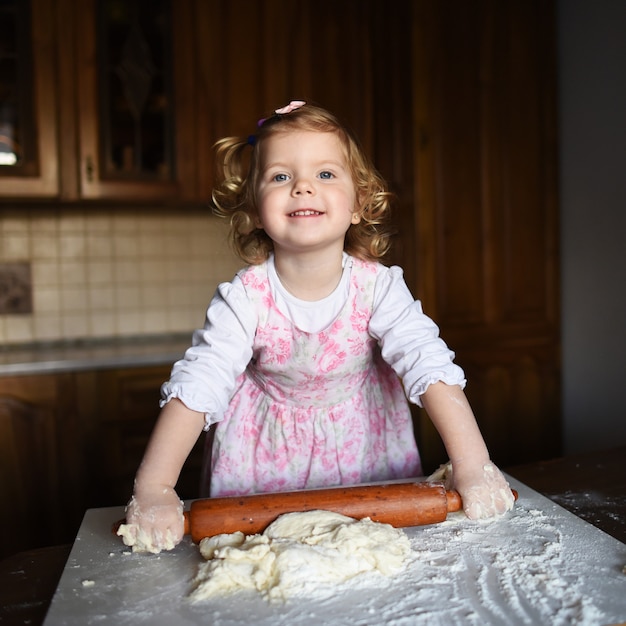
(89, 169)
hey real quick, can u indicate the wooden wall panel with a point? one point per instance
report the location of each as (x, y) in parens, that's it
(485, 105)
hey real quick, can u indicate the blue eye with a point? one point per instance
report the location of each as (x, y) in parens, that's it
(280, 178)
(326, 175)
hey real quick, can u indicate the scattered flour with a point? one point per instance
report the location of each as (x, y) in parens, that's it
(514, 570)
(299, 554)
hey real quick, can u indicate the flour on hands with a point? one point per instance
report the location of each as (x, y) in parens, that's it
(485, 493)
(155, 526)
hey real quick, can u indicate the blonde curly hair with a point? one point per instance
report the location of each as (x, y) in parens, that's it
(234, 197)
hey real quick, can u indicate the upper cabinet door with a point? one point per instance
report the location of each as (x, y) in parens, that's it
(28, 132)
(135, 117)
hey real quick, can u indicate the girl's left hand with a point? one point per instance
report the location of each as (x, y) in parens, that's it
(484, 490)
(154, 520)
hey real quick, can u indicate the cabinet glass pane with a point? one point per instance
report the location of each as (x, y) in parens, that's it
(17, 125)
(135, 89)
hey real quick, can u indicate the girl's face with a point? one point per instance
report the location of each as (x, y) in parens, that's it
(306, 197)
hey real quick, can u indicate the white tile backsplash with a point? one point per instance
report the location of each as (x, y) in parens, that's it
(73, 272)
(72, 245)
(47, 326)
(47, 300)
(20, 327)
(101, 273)
(44, 245)
(103, 324)
(46, 273)
(13, 223)
(16, 247)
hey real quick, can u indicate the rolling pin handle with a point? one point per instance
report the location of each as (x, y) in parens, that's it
(454, 501)
(187, 522)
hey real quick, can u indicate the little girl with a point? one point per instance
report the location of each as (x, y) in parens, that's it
(307, 357)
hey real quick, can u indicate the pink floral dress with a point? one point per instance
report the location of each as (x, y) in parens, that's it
(313, 409)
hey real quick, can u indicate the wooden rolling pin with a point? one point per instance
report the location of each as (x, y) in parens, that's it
(398, 504)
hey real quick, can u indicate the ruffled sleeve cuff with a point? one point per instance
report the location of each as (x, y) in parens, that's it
(193, 401)
(450, 376)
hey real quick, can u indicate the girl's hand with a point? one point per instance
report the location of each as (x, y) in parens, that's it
(154, 520)
(484, 490)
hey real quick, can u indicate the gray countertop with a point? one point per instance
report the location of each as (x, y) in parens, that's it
(91, 355)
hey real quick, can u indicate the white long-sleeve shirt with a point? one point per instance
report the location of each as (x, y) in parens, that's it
(204, 380)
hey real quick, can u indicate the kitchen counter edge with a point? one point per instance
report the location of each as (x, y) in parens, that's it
(60, 357)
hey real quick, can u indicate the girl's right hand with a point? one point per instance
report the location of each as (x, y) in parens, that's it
(154, 520)
(484, 490)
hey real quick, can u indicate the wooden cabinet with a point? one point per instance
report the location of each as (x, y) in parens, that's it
(128, 405)
(231, 63)
(28, 129)
(135, 100)
(110, 102)
(73, 441)
(39, 444)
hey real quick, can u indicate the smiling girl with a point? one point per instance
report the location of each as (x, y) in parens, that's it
(307, 357)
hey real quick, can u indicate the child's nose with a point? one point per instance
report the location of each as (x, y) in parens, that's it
(303, 185)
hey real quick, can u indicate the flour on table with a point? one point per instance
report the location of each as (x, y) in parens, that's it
(299, 554)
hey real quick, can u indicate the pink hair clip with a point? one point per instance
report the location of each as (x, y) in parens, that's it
(292, 106)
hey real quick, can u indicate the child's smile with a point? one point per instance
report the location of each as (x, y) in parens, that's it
(305, 213)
